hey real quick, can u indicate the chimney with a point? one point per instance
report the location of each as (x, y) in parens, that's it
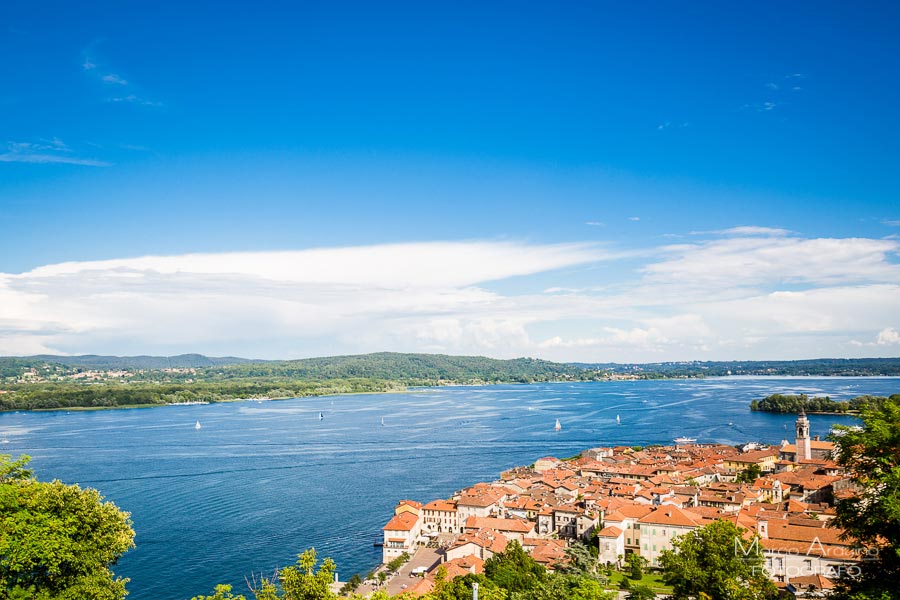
(762, 527)
(816, 438)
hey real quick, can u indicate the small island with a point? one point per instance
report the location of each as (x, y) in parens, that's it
(797, 403)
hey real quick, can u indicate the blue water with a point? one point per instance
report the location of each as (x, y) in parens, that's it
(260, 482)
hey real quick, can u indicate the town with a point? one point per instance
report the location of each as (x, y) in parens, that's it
(631, 500)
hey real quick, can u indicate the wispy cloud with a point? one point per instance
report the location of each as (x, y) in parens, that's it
(671, 125)
(595, 223)
(112, 78)
(125, 90)
(634, 218)
(891, 222)
(761, 106)
(751, 291)
(746, 230)
(46, 152)
(134, 99)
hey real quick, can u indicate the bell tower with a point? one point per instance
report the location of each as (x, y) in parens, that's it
(804, 450)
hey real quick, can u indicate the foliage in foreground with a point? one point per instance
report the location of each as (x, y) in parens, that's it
(718, 562)
(872, 515)
(57, 541)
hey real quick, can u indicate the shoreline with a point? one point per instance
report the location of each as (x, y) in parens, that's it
(410, 388)
(227, 401)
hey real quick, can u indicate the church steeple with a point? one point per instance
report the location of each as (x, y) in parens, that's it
(804, 450)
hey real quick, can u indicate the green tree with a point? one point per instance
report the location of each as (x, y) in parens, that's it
(514, 569)
(750, 474)
(718, 561)
(872, 515)
(581, 560)
(460, 588)
(562, 586)
(57, 541)
(639, 591)
(636, 563)
(303, 582)
(222, 592)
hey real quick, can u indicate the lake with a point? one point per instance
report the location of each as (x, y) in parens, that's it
(260, 482)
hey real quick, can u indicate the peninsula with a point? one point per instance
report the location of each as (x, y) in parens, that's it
(633, 503)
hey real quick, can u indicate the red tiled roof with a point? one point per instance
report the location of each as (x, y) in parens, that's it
(672, 516)
(403, 522)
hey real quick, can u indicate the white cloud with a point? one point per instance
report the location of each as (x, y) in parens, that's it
(888, 337)
(109, 80)
(46, 152)
(755, 292)
(213, 299)
(746, 261)
(634, 218)
(752, 230)
(114, 79)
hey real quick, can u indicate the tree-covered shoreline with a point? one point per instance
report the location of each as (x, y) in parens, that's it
(41, 385)
(795, 403)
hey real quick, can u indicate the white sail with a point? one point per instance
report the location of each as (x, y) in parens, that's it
(197, 425)
(618, 420)
(558, 426)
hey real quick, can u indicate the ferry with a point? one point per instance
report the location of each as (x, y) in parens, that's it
(685, 440)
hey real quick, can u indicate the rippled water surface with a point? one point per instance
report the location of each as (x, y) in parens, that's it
(261, 481)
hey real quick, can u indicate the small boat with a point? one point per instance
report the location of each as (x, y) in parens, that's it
(321, 416)
(197, 425)
(685, 440)
(558, 426)
(382, 421)
(618, 420)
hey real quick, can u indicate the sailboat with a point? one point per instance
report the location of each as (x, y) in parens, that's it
(382, 421)
(197, 425)
(618, 420)
(321, 416)
(558, 426)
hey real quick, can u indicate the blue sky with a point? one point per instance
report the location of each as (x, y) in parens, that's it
(614, 145)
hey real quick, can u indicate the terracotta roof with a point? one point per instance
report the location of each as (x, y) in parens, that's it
(513, 525)
(754, 456)
(810, 548)
(484, 538)
(816, 581)
(443, 505)
(672, 516)
(813, 444)
(610, 531)
(403, 522)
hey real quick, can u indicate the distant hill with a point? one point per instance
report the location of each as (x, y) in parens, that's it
(94, 361)
(816, 366)
(386, 366)
(34, 383)
(409, 367)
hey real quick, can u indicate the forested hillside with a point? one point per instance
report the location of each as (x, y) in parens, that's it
(33, 384)
(415, 368)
